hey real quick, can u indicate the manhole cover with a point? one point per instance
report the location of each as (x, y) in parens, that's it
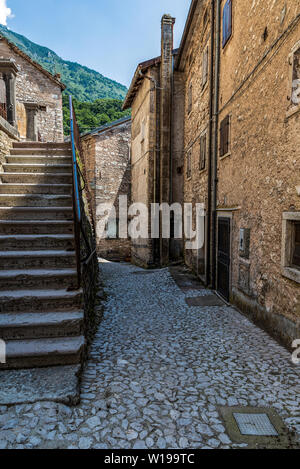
(255, 424)
(148, 272)
(207, 300)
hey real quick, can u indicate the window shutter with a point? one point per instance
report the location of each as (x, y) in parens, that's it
(203, 152)
(222, 139)
(205, 66)
(225, 136)
(227, 21)
(229, 18)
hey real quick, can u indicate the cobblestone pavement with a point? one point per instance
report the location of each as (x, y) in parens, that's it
(157, 372)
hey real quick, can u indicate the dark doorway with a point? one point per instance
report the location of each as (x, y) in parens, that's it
(223, 261)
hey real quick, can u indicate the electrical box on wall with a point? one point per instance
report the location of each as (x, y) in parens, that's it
(244, 243)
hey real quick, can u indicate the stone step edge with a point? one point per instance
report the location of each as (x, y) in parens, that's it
(9, 320)
(37, 253)
(20, 237)
(11, 273)
(41, 347)
(39, 294)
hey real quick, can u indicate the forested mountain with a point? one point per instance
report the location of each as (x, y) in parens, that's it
(82, 82)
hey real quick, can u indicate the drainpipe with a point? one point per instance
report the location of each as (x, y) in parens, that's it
(215, 145)
(209, 188)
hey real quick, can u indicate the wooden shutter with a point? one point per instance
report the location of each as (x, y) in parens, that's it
(205, 66)
(225, 136)
(190, 98)
(203, 146)
(189, 164)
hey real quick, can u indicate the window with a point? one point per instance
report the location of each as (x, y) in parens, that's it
(203, 147)
(3, 107)
(189, 165)
(205, 66)
(225, 136)
(296, 245)
(227, 22)
(294, 80)
(190, 98)
(291, 246)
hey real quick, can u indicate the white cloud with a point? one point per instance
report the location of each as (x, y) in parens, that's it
(5, 12)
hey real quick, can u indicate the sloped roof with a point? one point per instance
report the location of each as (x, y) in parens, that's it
(138, 78)
(32, 62)
(98, 130)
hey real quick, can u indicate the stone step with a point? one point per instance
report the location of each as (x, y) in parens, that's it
(36, 178)
(36, 159)
(36, 227)
(41, 151)
(42, 145)
(37, 242)
(55, 189)
(40, 301)
(11, 260)
(41, 325)
(35, 200)
(44, 352)
(37, 168)
(22, 279)
(36, 213)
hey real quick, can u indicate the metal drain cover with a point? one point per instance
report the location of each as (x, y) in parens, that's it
(207, 300)
(255, 424)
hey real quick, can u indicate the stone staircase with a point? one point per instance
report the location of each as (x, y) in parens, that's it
(41, 312)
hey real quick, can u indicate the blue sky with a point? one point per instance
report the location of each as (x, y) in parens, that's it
(110, 36)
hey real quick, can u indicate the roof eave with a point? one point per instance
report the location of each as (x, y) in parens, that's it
(186, 32)
(35, 64)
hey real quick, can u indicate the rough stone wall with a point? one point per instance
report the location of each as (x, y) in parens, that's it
(33, 86)
(89, 149)
(144, 125)
(259, 176)
(196, 120)
(5, 146)
(177, 151)
(107, 156)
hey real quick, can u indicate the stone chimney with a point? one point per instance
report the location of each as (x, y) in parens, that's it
(166, 79)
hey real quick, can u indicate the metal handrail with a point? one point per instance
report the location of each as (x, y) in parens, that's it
(78, 173)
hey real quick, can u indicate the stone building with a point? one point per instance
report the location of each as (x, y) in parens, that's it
(238, 69)
(30, 98)
(107, 156)
(157, 162)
